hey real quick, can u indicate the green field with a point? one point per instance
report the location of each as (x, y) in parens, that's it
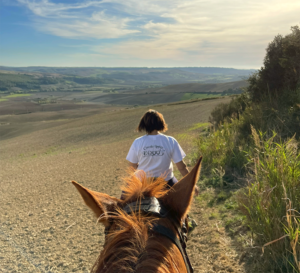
(191, 96)
(199, 125)
(16, 78)
(17, 95)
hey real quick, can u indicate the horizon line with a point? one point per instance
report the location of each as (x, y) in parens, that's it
(128, 67)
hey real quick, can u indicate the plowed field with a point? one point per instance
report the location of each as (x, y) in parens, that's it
(44, 225)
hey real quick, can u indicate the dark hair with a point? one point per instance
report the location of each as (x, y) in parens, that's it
(152, 120)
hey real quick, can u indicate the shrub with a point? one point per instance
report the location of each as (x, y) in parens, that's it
(223, 153)
(274, 183)
(271, 114)
(225, 112)
(281, 70)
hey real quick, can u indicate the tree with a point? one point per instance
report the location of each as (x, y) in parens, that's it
(281, 70)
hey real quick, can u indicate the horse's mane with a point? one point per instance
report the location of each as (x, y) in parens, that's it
(130, 248)
(138, 185)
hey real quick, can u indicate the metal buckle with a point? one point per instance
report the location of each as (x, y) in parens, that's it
(147, 205)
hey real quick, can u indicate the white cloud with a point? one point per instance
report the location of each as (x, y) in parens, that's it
(98, 26)
(144, 7)
(44, 8)
(73, 21)
(199, 31)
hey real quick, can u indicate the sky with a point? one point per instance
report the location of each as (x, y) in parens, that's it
(142, 33)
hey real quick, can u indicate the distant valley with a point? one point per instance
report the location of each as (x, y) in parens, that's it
(43, 89)
(52, 79)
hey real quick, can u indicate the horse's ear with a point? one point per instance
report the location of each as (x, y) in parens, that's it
(100, 203)
(180, 195)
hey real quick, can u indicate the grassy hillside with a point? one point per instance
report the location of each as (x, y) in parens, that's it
(229, 87)
(252, 160)
(173, 93)
(34, 82)
(83, 79)
(102, 71)
(70, 95)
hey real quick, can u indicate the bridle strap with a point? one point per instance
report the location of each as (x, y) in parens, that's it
(147, 205)
(170, 234)
(153, 206)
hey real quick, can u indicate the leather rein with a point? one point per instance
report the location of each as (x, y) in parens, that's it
(151, 205)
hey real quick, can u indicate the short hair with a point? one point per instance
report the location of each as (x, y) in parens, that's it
(152, 120)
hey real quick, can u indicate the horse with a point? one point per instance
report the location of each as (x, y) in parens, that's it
(143, 229)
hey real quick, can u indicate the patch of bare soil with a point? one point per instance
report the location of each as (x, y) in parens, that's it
(44, 225)
(20, 124)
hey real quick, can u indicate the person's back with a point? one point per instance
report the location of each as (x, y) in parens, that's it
(153, 154)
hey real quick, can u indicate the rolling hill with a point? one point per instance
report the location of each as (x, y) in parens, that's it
(42, 79)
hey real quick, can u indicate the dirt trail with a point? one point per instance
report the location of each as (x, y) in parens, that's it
(44, 225)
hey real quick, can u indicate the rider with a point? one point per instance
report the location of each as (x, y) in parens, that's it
(154, 152)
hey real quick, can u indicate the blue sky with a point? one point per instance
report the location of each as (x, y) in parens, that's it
(152, 33)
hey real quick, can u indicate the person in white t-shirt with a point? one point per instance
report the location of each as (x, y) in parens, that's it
(154, 152)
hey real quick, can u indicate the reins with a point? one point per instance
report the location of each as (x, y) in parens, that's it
(151, 205)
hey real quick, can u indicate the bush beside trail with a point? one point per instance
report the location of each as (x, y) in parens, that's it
(252, 148)
(271, 200)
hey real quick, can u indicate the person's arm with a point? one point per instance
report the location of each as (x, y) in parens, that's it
(133, 165)
(182, 168)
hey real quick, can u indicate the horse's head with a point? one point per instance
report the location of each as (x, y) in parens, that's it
(138, 240)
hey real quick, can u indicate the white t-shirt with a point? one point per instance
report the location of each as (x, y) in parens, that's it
(154, 153)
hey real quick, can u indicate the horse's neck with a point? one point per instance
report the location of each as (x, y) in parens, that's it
(161, 256)
(140, 254)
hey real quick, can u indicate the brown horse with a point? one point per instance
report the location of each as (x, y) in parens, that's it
(130, 243)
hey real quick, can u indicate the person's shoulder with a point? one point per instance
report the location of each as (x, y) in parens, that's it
(139, 139)
(169, 138)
